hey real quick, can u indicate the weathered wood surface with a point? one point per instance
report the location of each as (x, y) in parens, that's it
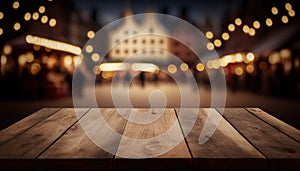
(163, 130)
(34, 140)
(276, 123)
(281, 150)
(225, 147)
(59, 139)
(25, 123)
(75, 144)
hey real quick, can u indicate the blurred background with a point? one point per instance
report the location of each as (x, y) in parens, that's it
(257, 42)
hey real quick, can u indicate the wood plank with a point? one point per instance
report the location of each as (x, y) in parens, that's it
(34, 140)
(22, 125)
(276, 123)
(177, 157)
(282, 151)
(225, 149)
(78, 150)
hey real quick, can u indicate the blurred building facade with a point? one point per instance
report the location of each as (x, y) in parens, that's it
(258, 45)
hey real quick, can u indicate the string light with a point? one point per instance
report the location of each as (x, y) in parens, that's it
(35, 16)
(274, 10)
(17, 26)
(218, 43)
(225, 36)
(16, 5)
(269, 22)
(209, 35)
(210, 46)
(256, 24)
(284, 19)
(52, 22)
(291, 13)
(246, 29)
(231, 27)
(27, 16)
(90, 34)
(42, 9)
(52, 44)
(1, 15)
(44, 19)
(238, 21)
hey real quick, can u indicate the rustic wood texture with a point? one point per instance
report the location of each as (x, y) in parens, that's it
(61, 139)
(276, 123)
(34, 140)
(281, 150)
(75, 144)
(177, 157)
(19, 127)
(225, 147)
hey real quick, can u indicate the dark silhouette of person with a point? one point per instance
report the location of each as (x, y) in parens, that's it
(142, 78)
(127, 78)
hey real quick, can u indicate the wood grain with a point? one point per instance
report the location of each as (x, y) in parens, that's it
(225, 149)
(148, 143)
(34, 140)
(281, 150)
(19, 127)
(276, 123)
(76, 146)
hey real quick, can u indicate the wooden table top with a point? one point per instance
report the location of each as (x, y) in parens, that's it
(245, 138)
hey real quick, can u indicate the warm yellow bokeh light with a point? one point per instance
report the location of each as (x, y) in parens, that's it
(89, 48)
(95, 57)
(172, 68)
(251, 31)
(52, 22)
(68, 60)
(238, 57)
(288, 6)
(44, 19)
(184, 67)
(27, 16)
(17, 26)
(1, 15)
(231, 27)
(42, 9)
(292, 13)
(90, 34)
(238, 71)
(35, 16)
(97, 69)
(246, 29)
(16, 5)
(274, 10)
(269, 22)
(3, 59)
(210, 46)
(225, 36)
(250, 68)
(7, 49)
(274, 58)
(1, 31)
(238, 21)
(284, 19)
(250, 56)
(209, 35)
(36, 47)
(200, 67)
(285, 53)
(218, 43)
(256, 24)
(35, 68)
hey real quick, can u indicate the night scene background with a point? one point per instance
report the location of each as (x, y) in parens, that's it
(257, 42)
